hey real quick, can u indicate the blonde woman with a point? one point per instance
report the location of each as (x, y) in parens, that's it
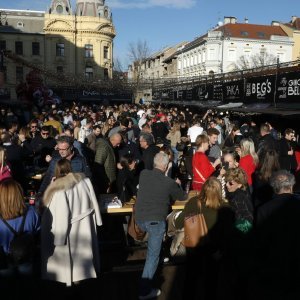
(175, 137)
(239, 198)
(200, 261)
(248, 159)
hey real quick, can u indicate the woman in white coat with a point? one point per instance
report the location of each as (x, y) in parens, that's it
(69, 245)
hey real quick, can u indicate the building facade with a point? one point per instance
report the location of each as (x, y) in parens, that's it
(231, 46)
(292, 29)
(76, 43)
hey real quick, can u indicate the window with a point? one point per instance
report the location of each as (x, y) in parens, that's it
(105, 73)
(35, 48)
(191, 60)
(88, 50)
(281, 56)
(2, 45)
(59, 69)
(231, 55)
(59, 9)
(212, 54)
(20, 24)
(60, 49)
(19, 74)
(261, 34)
(19, 48)
(105, 52)
(199, 57)
(89, 73)
(247, 53)
(244, 33)
(179, 64)
(3, 76)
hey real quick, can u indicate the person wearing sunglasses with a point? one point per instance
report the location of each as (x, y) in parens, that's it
(34, 128)
(239, 198)
(42, 145)
(64, 149)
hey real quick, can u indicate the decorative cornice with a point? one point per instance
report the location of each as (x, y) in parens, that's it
(51, 23)
(87, 31)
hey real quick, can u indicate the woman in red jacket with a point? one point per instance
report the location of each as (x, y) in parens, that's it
(202, 167)
(248, 159)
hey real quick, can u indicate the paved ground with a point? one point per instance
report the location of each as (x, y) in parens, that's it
(121, 266)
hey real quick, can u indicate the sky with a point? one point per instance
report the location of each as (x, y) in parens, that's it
(163, 23)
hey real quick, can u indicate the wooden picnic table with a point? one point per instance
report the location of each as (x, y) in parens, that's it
(128, 206)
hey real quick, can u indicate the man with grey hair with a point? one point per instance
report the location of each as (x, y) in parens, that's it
(155, 195)
(277, 242)
(282, 183)
(149, 150)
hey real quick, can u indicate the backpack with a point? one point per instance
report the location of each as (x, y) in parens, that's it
(22, 246)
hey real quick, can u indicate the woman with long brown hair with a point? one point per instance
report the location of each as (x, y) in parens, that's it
(175, 137)
(13, 209)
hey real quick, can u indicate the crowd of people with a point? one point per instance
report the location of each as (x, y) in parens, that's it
(242, 174)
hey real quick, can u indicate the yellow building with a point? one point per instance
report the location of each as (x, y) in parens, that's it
(76, 43)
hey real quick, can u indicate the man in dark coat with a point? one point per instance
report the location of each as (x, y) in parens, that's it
(105, 164)
(152, 208)
(288, 145)
(277, 244)
(266, 141)
(42, 145)
(66, 150)
(149, 151)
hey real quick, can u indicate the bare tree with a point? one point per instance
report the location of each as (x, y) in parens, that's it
(118, 67)
(254, 61)
(137, 53)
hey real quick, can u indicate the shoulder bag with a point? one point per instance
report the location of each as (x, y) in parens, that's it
(195, 228)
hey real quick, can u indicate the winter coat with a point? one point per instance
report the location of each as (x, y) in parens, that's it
(69, 245)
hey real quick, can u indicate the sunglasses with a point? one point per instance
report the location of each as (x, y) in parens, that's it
(33, 126)
(45, 133)
(230, 183)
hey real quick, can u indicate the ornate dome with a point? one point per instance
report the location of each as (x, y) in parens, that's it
(92, 8)
(60, 7)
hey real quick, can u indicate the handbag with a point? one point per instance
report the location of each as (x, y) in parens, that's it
(195, 229)
(134, 230)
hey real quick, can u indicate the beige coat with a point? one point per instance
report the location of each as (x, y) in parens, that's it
(69, 245)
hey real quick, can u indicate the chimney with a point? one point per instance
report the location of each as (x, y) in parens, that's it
(275, 23)
(229, 20)
(294, 18)
(246, 21)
